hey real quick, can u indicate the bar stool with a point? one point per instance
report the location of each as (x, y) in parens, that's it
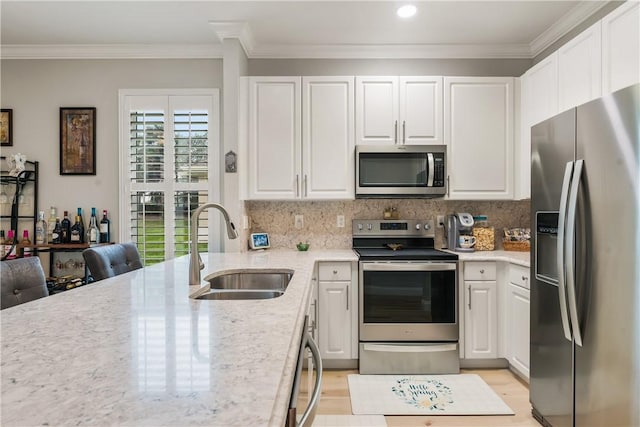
(22, 280)
(111, 260)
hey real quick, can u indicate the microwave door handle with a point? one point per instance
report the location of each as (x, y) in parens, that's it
(571, 261)
(568, 171)
(431, 171)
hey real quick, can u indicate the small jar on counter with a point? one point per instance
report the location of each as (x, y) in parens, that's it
(485, 235)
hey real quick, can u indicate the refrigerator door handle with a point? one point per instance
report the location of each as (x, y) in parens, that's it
(570, 242)
(568, 171)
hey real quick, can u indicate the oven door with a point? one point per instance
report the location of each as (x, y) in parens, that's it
(408, 301)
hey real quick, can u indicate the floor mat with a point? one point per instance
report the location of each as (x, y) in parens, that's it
(461, 394)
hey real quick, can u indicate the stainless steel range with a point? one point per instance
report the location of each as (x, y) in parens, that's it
(408, 299)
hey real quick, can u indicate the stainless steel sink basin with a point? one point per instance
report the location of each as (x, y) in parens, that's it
(247, 284)
(254, 279)
(240, 295)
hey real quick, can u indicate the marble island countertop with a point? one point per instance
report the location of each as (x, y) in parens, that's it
(136, 350)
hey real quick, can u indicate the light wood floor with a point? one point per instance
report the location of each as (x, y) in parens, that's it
(335, 400)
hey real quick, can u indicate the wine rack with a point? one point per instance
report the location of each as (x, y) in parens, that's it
(18, 198)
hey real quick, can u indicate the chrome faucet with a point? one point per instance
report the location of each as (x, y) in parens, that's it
(195, 262)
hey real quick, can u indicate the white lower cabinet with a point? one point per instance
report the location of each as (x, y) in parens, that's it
(518, 309)
(337, 311)
(481, 310)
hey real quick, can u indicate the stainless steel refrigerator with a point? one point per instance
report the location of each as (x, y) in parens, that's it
(585, 265)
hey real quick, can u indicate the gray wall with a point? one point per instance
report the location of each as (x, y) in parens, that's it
(36, 89)
(389, 67)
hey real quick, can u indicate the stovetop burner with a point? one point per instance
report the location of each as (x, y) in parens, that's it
(413, 239)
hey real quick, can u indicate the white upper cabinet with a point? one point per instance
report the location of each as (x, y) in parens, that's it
(399, 110)
(275, 137)
(328, 137)
(621, 47)
(542, 89)
(301, 138)
(420, 110)
(579, 69)
(479, 133)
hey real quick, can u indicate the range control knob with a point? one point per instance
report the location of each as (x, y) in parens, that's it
(369, 227)
(417, 226)
(427, 226)
(359, 226)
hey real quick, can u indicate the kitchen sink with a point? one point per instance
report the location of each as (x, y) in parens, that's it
(246, 284)
(240, 295)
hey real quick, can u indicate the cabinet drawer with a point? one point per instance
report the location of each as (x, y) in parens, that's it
(479, 271)
(334, 271)
(519, 275)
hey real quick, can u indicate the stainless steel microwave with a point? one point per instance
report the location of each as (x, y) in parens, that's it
(390, 171)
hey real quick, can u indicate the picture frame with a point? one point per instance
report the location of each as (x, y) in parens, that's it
(77, 140)
(6, 127)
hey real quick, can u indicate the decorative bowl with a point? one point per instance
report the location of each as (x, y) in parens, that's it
(302, 246)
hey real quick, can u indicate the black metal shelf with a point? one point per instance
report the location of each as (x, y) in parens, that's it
(26, 178)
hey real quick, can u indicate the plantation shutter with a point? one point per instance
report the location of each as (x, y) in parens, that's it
(170, 157)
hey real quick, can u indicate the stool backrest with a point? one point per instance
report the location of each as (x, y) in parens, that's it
(112, 260)
(22, 280)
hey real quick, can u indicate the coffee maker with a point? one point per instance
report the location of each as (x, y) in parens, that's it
(458, 224)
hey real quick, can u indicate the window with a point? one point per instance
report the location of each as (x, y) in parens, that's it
(169, 149)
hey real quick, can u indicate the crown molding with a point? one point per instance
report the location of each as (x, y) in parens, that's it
(111, 51)
(566, 23)
(235, 30)
(412, 51)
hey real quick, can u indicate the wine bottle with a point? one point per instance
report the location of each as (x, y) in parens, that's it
(77, 231)
(65, 236)
(93, 233)
(9, 246)
(26, 251)
(81, 219)
(104, 228)
(2, 241)
(41, 229)
(56, 234)
(51, 223)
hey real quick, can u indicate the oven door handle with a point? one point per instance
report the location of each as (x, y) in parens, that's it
(388, 266)
(410, 348)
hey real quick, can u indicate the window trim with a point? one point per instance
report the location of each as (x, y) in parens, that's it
(214, 184)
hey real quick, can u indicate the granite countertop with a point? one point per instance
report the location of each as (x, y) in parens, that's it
(519, 258)
(136, 350)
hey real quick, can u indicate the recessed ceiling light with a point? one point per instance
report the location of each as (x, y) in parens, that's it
(406, 11)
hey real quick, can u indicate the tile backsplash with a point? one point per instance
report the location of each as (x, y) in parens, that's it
(320, 218)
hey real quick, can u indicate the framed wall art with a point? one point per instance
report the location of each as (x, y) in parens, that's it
(6, 127)
(77, 141)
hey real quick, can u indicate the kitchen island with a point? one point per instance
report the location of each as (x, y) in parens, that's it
(136, 350)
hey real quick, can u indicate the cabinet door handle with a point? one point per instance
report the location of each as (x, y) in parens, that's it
(524, 278)
(305, 186)
(482, 271)
(469, 303)
(448, 185)
(335, 271)
(347, 297)
(395, 132)
(297, 185)
(404, 133)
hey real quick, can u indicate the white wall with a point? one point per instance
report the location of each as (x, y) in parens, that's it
(36, 89)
